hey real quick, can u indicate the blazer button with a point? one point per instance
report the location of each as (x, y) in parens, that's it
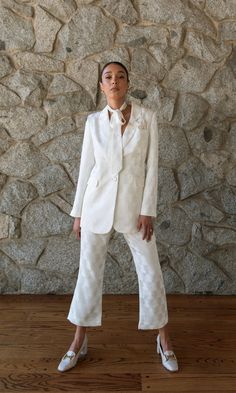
(115, 178)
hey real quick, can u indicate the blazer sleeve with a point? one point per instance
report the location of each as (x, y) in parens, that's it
(87, 162)
(149, 202)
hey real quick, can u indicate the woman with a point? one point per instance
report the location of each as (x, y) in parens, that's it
(117, 190)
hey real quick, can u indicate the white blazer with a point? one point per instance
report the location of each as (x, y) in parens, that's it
(103, 200)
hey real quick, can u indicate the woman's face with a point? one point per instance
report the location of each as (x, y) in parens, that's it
(114, 82)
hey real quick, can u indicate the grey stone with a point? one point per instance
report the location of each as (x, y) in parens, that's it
(67, 195)
(221, 92)
(228, 30)
(190, 110)
(86, 74)
(175, 12)
(22, 123)
(232, 61)
(216, 161)
(4, 226)
(65, 105)
(72, 168)
(228, 199)
(3, 283)
(46, 29)
(51, 179)
(61, 203)
(3, 179)
(231, 177)
(199, 210)
(172, 281)
(5, 66)
(217, 119)
(224, 258)
(26, 83)
(86, 21)
(38, 62)
(230, 221)
(8, 98)
(199, 3)
(37, 282)
(11, 272)
(60, 256)
(135, 36)
(205, 47)
(167, 56)
(219, 235)
(123, 10)
(14, 227)
(61, 9)
(221, 9)
(64, 148)
(173, 227)
(190, 74)
(5, 140)
(79, 2)
(176, 36)
(205, 138)
(153, 96)
(80, 120)
(43, 218)
(22, 9)
(24, 251)
(143, 63)
(231, 140)
(173, 145)
(16, 33)
(15, 196)
(61, 85)
(198, 245)
(116, 54)
(168, 191)
(22, 160)
(195, 177)
(200, 274)
(53, 130)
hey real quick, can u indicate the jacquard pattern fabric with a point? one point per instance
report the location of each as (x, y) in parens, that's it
(86, 305)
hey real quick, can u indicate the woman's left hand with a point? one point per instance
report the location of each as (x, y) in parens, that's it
(145, 223)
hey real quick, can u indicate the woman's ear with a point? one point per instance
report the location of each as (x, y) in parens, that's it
(100, 84)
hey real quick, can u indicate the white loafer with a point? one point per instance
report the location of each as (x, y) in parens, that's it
(70, 359)
(168, 358)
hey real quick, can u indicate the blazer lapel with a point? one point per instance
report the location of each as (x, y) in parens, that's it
(104, 132)
(134, 122)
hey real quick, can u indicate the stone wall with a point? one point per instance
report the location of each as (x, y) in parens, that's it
(182, 61)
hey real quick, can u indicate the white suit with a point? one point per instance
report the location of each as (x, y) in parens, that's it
(103, 199)
(108, 201)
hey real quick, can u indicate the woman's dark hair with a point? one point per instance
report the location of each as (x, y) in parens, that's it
(114, 62)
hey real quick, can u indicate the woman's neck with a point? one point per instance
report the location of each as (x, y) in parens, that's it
(116, 104)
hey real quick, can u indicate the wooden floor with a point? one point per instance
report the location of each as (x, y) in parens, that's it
(34, 334)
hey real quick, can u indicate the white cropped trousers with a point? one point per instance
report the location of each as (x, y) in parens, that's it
(86, 305)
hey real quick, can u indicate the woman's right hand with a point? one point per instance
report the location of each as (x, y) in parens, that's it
(76, 227)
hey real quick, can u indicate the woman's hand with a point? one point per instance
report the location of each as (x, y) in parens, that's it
(145, 223)
(76, 227)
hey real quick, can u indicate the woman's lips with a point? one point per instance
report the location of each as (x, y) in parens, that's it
(114, 89)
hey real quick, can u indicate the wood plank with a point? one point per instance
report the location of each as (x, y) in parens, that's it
(182, 383)
(34, 334)
(73, 381)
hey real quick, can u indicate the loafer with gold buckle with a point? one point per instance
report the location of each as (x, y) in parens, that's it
(71, 358)
(168, 358)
